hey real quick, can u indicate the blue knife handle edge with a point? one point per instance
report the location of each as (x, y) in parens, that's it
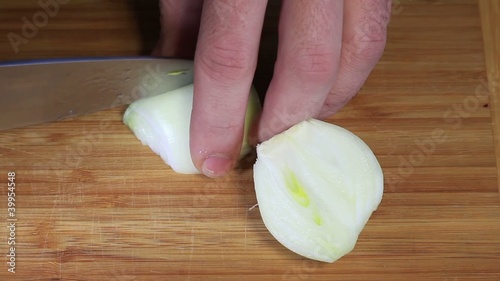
(79, 59)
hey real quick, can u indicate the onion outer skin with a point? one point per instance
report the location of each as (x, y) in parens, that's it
(317, 185)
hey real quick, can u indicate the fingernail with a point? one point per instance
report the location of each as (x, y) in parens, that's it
(216, 166)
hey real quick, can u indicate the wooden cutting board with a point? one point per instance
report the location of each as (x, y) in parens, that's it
(93, 204)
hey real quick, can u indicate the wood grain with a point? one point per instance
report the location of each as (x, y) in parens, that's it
(490, 19)
(93, 204)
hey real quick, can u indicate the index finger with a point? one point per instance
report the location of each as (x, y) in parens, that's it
(225, 61)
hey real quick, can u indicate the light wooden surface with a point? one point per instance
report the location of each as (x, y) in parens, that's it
(93, 204)
(490, 23)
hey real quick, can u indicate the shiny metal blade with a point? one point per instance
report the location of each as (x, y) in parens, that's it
(35, 92)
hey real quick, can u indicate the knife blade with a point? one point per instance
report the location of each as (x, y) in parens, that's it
(34, 92)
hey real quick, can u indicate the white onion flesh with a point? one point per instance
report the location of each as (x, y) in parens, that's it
(317, 185)
(162, 122)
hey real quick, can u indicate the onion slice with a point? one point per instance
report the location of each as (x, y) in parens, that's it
(317, 185)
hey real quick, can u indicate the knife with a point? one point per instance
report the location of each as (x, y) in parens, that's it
(34, 92)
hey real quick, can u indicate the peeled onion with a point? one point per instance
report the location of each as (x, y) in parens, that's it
(317, 184)
(162, 122)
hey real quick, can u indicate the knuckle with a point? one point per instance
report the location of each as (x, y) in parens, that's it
(316, 63)
(226, 62)
(370, 34)
(334, 102)
(220, 128)
(224, 128)
(368, 45)
(222, 117)
(338, 99)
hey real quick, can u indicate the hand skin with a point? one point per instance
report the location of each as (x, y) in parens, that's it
(327, 49)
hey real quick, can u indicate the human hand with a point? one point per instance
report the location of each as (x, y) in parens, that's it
(327, 48)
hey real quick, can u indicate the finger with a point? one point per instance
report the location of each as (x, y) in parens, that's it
(225, 61)
(310, 35)
(363, 42)
(180, 21)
